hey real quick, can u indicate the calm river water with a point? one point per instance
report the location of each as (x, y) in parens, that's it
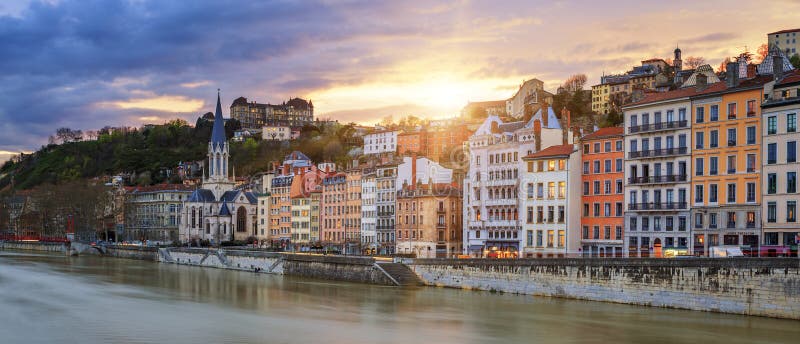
(52, 298)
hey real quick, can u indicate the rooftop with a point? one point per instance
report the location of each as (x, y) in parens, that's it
(784, 31)
(604, 132)
(552, 151)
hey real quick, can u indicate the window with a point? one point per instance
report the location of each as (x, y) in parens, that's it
(619, 186)
(731, 164)
(751, 163)
(698, 194)
(713, 139)
(700, 114)
(597, 166)
(699, 139)
(619, 145)
(585, 188)
(607, 189)
(714, 113)
(731, 137)
(751, 135)
(596, 187)
(791, 151)
(772, 153)
(586, 149)
(597, 210)
(607, 164)
(731, 193)
(751, 192)
(772, 125)
(772, 183)
(596, 232)
(698, 166)
(751, 108)
(791, 123)
(731, 110)
(562, 189)
(597, 147)
(772, 212)
(619, 209)
(586, 167)
(698, 220)
(619, 165)
(713, 165)
(712, 193)
(791, 182)
(607, 146)
(791, 211)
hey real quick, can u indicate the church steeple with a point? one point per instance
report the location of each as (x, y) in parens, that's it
(218, 132)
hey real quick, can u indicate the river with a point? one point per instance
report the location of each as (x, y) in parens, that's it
(47, 298)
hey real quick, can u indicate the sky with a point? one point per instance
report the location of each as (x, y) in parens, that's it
(85, 64)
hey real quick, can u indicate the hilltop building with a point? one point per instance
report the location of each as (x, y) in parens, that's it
(293, 113)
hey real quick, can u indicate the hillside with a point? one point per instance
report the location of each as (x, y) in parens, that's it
(148, 151)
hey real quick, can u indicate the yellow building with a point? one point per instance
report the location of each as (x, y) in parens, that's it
(726, 160)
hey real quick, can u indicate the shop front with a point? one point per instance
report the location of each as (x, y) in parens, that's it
(501, 250)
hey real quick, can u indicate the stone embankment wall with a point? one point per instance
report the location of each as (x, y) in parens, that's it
(340, 268)
(751, 286)
(34, 246)
(267, 262)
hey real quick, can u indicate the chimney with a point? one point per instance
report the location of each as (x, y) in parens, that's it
(777, 67)
(495, 128)
(545, 113)
(732, 74)
(286, 169)
(566, 115)
(537, 133)
(701, 81)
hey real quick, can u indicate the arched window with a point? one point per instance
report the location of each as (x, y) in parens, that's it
(241, 219)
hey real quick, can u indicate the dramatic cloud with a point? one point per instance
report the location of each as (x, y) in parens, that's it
(90, 63)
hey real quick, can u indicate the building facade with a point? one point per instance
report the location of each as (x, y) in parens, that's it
(785, 40)
(381, 142)
(386, 195)
(369, 211)
(658, 160)
(429, 220)
(780, 165)
(491, 206)
(602, 189)
(294, 113)
(551, 202)
(154, 212)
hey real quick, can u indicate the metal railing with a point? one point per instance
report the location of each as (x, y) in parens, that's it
(654, 153)
(658, 206)
(658, 126)
(670, 178)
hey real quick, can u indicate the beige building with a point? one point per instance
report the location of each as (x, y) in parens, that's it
(530, 96)
(429, 220)
(780, 165)
(785, 40)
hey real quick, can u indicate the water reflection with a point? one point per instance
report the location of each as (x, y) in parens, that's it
(47, 298)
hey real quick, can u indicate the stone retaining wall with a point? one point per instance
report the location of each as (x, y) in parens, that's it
(34, 246)
(340, 268)
(752, 286)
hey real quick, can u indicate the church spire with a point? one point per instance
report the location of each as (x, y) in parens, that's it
(218, 132)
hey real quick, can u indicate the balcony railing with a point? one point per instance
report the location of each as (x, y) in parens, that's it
(731, 171)
(654, 153)
(658, 126)
(731, 225)
(657, 206)
(670, 178)
(501, 201)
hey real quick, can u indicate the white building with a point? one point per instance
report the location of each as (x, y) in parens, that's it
(369, 211)
(276, 133)
(658, 148)
(386, 201)
(551, 202)
(426, 170)
(380, 142)
(491, 206)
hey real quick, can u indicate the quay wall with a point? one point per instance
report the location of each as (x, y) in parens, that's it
(34, 246)
(751, 286)
(340, 268)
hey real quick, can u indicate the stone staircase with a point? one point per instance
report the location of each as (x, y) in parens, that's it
(401, 273)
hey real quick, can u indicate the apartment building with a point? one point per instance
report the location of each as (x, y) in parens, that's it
(369, 211)
(726, 193)
(386, 196)
(352, 214)
(658, 160)
(602, 177)
(780, 165)
(551, 202)
(429, 220)
(491, 185)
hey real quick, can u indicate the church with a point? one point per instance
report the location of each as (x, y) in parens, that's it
(218, 211)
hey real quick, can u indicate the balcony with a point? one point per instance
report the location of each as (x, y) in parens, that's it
(501, 201)
(657, 206)
(731, 143)
(644, 128)
(501, 223)
(751, 225)
(656, 153)
(731, 225)
(475, 224)
(670, 178)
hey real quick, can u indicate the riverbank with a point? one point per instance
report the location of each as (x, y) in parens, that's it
(750, 286)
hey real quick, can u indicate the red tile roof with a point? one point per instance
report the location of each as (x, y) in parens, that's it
(604, 132)
(552, 151)
(784, 31)
(693, 91)
(791, 77)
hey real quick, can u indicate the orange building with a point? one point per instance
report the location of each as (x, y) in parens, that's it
(440, 142)
(409, 143)
(726, 187)
(333, 210)
(602, 220)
